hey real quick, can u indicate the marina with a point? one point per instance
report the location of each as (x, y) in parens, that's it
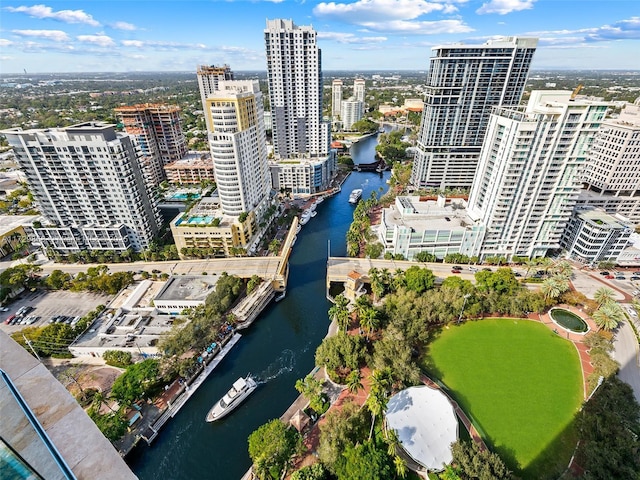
(279, 349)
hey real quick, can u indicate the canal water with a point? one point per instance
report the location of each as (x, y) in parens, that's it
(278, 349)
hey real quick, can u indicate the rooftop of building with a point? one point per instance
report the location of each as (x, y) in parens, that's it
(71, 439)
(602, 218)
(11, 222)
(206, 213)
(188, 287)
(160, 107)
(191, 160)
(428, 213)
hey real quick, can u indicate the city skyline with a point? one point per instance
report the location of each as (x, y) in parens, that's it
(67, 36)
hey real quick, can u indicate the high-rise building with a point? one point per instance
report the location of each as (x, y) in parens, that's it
(611, 177)
(352, 111)
(158, 130)
(463, 84)
(295, 90)
(528, 176)
(238, 145)
(336, 97)
(358, 89)
(88, 182)
(208, 78)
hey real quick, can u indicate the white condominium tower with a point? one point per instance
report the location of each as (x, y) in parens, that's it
(238, 145)
(358, 89)
(88, 183)
(611, 178)
(295, 90)
(529, 172)
(463, 84)
(352, 111)
(336, 97)
(208, 78)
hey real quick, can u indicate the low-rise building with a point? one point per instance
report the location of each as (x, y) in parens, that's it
(184, 291)
(435, 225)
(193, 168)
(205, 231)
(303, 176)
(593, 236)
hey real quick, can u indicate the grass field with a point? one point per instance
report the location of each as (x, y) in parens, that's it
(520, 383)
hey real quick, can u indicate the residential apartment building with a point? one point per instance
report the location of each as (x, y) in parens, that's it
(463, 83)
(193, 168)
(294, 70)
(238, 146)
(611, 176)
(158, 130)
(302, 177)
(87, 180)
(528, 176)
(336, 98)
(299, 132)
(352, 111)
(208, 78)
(593, 236)
(358, 89)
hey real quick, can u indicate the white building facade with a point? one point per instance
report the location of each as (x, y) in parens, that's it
(611, 177)
(208, 78)
(352, 111)
(300, 135)
(336, 97)
(528, 176)
(238, 146)
(463, 84)
(359, 89)
(88, 182)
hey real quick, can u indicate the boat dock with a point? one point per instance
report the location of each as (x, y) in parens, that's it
(189, 390)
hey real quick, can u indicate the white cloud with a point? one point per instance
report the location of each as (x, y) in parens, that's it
(100, 40)
(350, 38)
(5, 43)
(124, 26)
(502, 7)
(378, 10)
(55, 35)
(628, 29)
(67, 16)
(158, 45)
(420, 28)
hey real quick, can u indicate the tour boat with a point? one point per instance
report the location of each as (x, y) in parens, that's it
(355, 195)
(240, 390)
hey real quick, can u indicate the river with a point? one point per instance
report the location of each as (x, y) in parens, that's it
(279, 349)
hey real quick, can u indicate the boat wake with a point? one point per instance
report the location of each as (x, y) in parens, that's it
(281, 365)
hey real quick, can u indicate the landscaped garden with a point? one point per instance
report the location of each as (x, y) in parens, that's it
(520, 383)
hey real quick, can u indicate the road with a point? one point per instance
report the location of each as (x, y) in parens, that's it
(627, 355)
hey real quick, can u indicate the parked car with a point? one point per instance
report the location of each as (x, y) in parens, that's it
(636, 273)
(9, 319)
(453, 270)
(634, 278)
(473, 269)
(517, 274)
(605, 273)
(486, 269)
(4, 309)
(456, 267)
(620, 277)
(610, 277)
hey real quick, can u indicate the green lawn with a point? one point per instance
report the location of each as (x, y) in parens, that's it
(520, 383)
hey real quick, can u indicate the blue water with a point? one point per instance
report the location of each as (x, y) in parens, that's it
(279, 349)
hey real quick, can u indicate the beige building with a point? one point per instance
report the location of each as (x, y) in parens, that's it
(205, 231)
(193, 168)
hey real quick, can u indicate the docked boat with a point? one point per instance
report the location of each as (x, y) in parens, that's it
(355, 195)
(314, 213)
(240, 390)
(306, 215)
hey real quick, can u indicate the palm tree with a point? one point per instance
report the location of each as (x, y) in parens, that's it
(392, 441)
(398, 279)
(340, 313)
(362, 304)
(564, 268)
(354, 381)
(378, 396)
(401, 466)
(604, 295)
(608, 316)
(550, 288)
(369, 320)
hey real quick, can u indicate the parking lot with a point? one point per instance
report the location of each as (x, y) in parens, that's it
(47, 304)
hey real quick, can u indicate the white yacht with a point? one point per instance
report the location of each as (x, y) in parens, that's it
(355, 195)
(240, 390)
(306, 215)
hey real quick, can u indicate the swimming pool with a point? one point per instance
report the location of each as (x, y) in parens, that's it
(200, 220)
(184, 196)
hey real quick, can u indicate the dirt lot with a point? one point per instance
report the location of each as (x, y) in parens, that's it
(47, 304)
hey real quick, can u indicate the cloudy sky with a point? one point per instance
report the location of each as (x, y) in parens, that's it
(161, 35)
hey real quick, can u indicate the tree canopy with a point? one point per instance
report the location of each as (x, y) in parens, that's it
(271, 447)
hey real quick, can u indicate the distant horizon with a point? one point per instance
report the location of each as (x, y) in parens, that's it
(187, 72)
(354, 35)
